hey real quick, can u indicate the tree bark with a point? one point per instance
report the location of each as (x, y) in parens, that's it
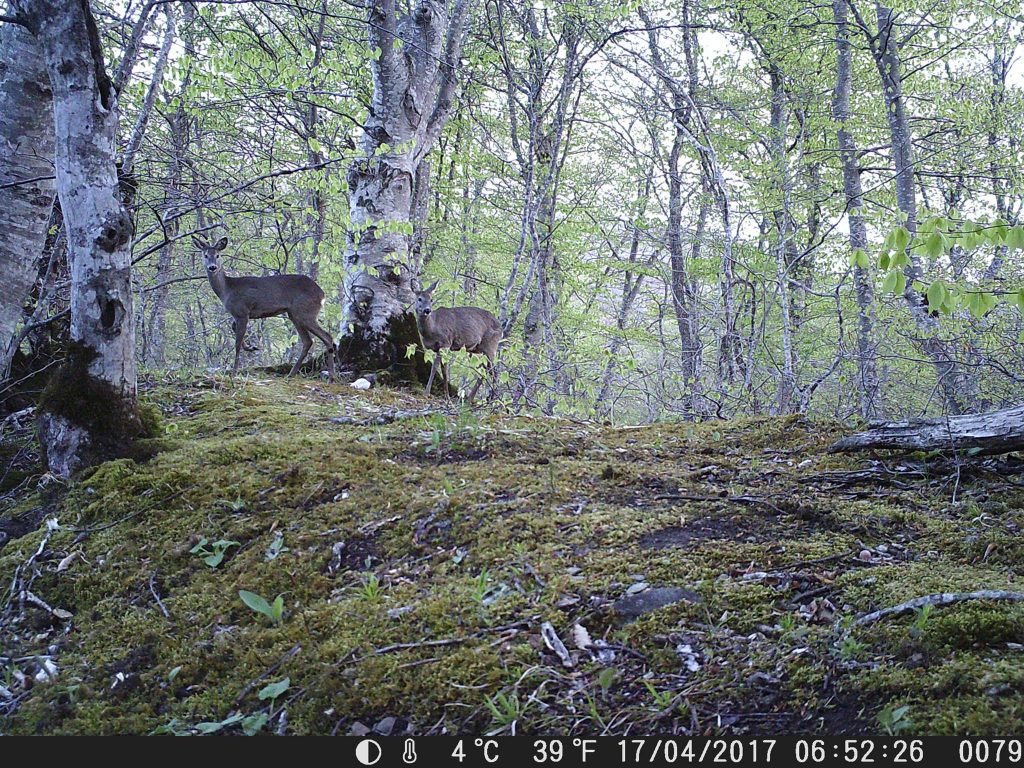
(27, 186)
(88, 412)
(783, 223)
(885, 46)
(984, 433)
(413, 86)
(867, 368)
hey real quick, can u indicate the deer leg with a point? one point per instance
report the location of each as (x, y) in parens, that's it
(325, 337)
(238, 324)
(487, 373)
(444, 374)
(433, 368)
(307, 342)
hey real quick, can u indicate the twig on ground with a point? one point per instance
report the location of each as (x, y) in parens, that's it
(938, 600)
(269, 671)
(159, 602)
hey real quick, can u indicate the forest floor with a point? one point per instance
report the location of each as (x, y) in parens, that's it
(446, 570)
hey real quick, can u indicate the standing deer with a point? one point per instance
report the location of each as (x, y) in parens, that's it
(251, 298)
(471, 328)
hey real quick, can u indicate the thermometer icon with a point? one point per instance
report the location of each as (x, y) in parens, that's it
(409, 753)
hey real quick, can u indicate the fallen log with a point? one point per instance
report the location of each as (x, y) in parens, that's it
(980, 433)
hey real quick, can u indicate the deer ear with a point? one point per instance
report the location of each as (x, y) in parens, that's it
(197, 242)
(221, 244)
(433, 285)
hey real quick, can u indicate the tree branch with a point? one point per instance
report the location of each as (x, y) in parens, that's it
(452, 52)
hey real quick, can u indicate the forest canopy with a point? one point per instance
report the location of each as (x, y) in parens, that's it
(687, 210)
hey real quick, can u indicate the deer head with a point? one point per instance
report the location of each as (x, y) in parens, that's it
(211, 253)
(425, 301)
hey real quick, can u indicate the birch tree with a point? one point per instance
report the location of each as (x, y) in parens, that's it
(26, 174)
(89, 410)
(416, 55)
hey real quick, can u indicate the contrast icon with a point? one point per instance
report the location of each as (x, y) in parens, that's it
(368, 752)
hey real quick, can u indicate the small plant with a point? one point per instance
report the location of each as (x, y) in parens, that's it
(276, 547)
(593, 711)
(850, 648)
(607, 677)
(372, 590)
(504, 709)
(213, 555)
(921, 616)
(481, 586)
(662, 699)
(895, 719)
(253, 724)
(273, 611)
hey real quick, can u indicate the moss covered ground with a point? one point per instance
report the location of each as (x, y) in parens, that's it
(419, 547)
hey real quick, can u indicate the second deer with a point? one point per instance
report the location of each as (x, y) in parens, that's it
(470, 328)
(251, 298)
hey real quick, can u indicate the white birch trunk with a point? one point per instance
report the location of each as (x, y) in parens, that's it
(88, 412)
(26, 175)
(413, 86)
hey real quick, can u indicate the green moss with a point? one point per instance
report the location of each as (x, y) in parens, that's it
(421, 556)
(116, 428)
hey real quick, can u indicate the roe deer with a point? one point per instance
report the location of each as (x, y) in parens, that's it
(471, 328)
(250, 298)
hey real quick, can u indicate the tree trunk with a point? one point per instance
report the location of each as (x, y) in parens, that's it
(684, 289)
(26, 175)
(152, 91)
(984, 433)
(155, 352)
(88, 412)
(955, 385)
(412, 92)
(631, 284)
(867, 368)
(783, 224)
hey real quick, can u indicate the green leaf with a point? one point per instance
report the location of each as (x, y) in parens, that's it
(200, 547)
(214, 727)
(253, 724)
(173, 674)
(607, 677)
(273, 690)
(884, 261)
(937, 294)
(859, 258)
(901, 238)
(936, 245)
(980, 303)
(256, 602)
(894, 282)
(1015, 237)
(277, 610)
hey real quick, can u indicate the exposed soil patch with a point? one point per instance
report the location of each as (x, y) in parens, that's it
(16, 526)
(750, 528)
(356, 554)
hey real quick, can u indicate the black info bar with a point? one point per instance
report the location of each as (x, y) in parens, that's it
(470, 752)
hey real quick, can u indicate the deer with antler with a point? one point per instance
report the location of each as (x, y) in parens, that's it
(250, 298)
(471, 328)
